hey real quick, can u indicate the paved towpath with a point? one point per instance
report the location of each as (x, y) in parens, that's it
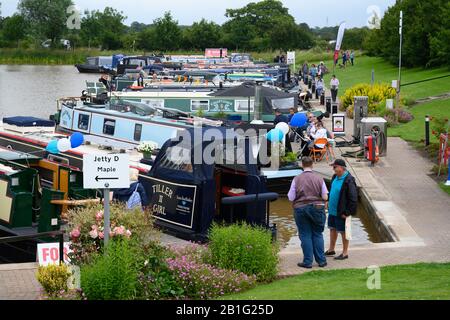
(406, 199)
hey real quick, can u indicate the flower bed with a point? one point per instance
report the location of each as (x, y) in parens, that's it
(135, 265)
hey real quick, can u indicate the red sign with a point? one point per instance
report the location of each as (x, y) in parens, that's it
(216, 53)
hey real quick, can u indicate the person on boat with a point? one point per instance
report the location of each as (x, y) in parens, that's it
(104, 79)
(135, 195)
(280, 117)
(308, 194)
(342, 204)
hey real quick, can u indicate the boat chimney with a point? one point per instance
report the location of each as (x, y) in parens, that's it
(258, 102)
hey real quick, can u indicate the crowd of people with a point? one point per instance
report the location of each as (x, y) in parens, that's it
(316, 75)
(347, 57)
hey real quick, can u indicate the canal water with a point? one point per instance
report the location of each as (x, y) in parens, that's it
(33, 90)
(282, 216)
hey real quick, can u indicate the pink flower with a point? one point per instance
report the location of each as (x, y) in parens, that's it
(128, 233)
(120, 231)
(75, 234)
(99, 215)
(101, 235)
(94, 232)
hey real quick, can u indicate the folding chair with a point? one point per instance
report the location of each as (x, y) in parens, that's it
(319, 153)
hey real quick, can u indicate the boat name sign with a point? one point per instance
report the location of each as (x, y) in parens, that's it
(110, 171)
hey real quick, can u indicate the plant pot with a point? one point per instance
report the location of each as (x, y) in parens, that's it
(147, 155)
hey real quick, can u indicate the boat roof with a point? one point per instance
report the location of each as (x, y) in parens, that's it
(10, 155)
(120, 113)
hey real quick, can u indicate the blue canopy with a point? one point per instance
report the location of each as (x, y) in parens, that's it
(28, 122)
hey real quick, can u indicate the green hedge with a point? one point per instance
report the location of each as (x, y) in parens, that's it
(244, 248)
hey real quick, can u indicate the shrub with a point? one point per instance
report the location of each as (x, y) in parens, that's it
(156, 280)
(244, 248)
(112, 275)
(377, 93)
(403, 116)
(204, 281)
(87, 227)
(53, 279)
(439, 126)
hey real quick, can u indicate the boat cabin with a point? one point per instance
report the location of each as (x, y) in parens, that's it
(187, 194)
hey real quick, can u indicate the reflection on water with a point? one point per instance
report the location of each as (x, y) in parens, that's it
(33, 90)
(282, 216)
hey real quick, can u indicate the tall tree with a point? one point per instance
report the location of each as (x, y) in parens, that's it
(202, 34)
(47, 19)
(14, 29)
(165, 33)
(264, 25)
(424, 23)
(103, 29)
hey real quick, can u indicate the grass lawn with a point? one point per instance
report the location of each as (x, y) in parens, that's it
(361, 72)
(414, 131)
(419, 281)
(445, 188)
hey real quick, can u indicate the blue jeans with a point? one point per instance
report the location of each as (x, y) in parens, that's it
(311, 223)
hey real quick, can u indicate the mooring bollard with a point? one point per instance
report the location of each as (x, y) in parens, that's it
(427, 131)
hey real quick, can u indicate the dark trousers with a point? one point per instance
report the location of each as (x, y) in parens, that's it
(310, 222)
(334, 94)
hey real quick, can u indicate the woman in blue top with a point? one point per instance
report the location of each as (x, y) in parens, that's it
(343, 201)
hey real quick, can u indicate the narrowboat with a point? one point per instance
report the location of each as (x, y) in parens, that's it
(188, 194)
(34, 192)
(229, 102)
(96, 64)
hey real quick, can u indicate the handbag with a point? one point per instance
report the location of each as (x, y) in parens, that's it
(135, 199)
(348, 228)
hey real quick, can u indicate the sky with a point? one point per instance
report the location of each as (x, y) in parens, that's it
(313, 12)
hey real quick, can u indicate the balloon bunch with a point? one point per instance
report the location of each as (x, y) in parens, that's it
(277, 134)
(65, 144)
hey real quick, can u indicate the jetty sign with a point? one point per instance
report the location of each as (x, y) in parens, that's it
(106, 171)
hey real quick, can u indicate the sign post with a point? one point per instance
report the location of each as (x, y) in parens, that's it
(106, 172)
(291, 58)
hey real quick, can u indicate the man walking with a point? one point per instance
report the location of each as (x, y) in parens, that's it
(308, 195)
(334, 86)
(342, 204)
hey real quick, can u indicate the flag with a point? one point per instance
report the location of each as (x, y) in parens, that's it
(339, 39)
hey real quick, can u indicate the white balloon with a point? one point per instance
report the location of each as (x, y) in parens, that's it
(284, 127)
(64, 145)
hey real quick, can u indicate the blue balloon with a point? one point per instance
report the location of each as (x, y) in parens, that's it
(275, 135)
(298, 120)
(76, 140)
(52, 147)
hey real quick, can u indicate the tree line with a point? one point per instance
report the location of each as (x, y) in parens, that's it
(259, 26)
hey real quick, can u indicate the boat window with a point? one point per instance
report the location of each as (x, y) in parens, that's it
(109, 127)
(177, 158)
(83, 122)
(242, 105)
(197, 105)
(137, 132)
